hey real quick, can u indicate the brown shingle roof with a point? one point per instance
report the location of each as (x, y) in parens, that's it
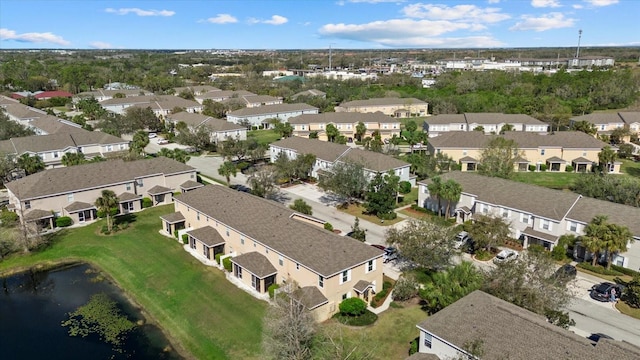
(157, 190)
(269, 223)
(342, 118)
(323, 150)
(446, 119)
(525, 140)
(587, 208)
(79, 206)
(372, 160)
(207, 235)
(127, 196)
(224, 94)
(599, 118)
(361, 286)
(173, 218)
(630, 117)
(255, 263)
(508, 331)
(390, 101)
(272, 109)
(53, 125)
(38, 214)
(499, 118)
(190, 185)
(310, 296)
(93, 175)
(548, 203)
(61, 141)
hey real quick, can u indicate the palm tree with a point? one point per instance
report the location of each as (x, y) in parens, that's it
(70, 159)
(181, 156)
(435, 190)
(618, 237)
(139, 142)
(606, 157)
(227, 169)
(594, 237)
(30, 164)
(451, 192)
(585, 127)
(105, 203)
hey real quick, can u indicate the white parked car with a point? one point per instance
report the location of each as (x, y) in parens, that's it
(505, 255)
(162, 141)
(152, 135)
(461, 239)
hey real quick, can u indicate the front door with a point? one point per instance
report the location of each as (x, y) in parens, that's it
(366, 295)
(81, 217)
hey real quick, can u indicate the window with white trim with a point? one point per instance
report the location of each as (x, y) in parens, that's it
(545, 224)
(525, 218)
(242, 240)
(572, 226)
(280, 260)
(140, 182)
(427, 340)
(505, 213)
(320, 281)
(198, 216)
(371, 265)
(27, 204)
(69, 197)
(227, 231)
(345, 277)
(541, 151)
(128, 186)
(297, 266)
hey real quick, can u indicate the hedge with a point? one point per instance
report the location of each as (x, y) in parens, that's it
(598, 269)
(146, 202)
(404, 187)
(217, 257)
(328, 226)
(272, 290)
(227, 264)
(185, 239)
(568, 168)
(625, 270)
(353, 306)
(63, 221)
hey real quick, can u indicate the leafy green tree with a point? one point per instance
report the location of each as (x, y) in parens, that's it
(313, 135)
(353, 306)
(451, 191)
(139, 142)
(361, 129)
(284, 129)
(70, 159)
(332, 132)
(91, 108)
(357, 232)
(631, 292)
(105, 203)
(215, 109)
(30, 164)
(382, 195)
(424, 242)
(263, 182)
(606, 158)
(10, 129)
(585, 127)
(497, 159)
(302, 207)
(175, 154)
(602, 236)
(228, 169)
(449, 286)
(139, 118)
(347, 180)
(413, 135)
(488, 231)
(505, 128)
(435, 188)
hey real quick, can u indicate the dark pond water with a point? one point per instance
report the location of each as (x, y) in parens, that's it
(34, 304)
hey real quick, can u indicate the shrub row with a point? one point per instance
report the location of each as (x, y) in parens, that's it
(598, 269)
(625, 270)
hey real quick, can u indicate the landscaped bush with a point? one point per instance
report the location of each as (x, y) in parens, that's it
(185, 239)
(532, 168)
(537, 249)
(112, 212)
(353, 306)
(242, 166)
(146, 202)
(105, 230)
(217, 257)
(569, 168)
(379, 298)
(625, 270)
(404, 187)
(387, 216)
(8, 218)
(598, 269)
(367, 318)
(272, 290)
(418, 208)
(543, 167)
(405, 289)
(328, 226)
(413, 346)
(226, 263)
(482, 255)
(64, 221)
(559, 253)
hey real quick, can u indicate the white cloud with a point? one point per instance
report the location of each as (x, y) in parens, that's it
(577, 6)
(493, 1)
(545, 3)
(464, 13)
(140, 12)
(409, 33)
(545, 22)
(47, 37)
(275, 20)
(377, 1)
(100, 45)
(601, 2)
(222, 19)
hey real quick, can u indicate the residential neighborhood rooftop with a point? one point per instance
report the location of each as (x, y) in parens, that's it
(477, 140)
(272, 109)
(628, 117)
(342, 118)
(387, 101)
(57, 141)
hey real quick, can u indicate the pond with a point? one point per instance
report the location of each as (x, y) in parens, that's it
(34, 304)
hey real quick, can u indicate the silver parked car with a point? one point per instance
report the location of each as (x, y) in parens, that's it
(505, 255)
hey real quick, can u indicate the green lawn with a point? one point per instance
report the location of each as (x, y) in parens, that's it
(630, 168)
(410, 198)
(554, 180)
(387, 338)
(196, 306)
(264, 136)
(358, 210)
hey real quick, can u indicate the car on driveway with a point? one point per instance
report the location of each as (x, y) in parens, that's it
(390, 253)
(602, 291)
(566, 272)
(505, 255)
(461, 239)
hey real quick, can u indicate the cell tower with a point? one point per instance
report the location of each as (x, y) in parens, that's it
(579, 38)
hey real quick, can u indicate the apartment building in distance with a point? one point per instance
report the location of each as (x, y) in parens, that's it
(395, 107)
(346, 123)
(489, 123)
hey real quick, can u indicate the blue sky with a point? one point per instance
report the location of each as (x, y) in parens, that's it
(316, 24)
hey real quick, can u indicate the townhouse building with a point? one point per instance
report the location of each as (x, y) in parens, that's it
(606, 123)
(490, 123)
(261, 115)
(396, 107)
(328, 154)
(72, 191)
(102, 95)
(162, 105)
(196, 90)
(51, 148)
(480, 316)
(267, 245)
(555, 151)
(536, 215)
(219, 129)
(35, 119)
(222, 95)
(346, 123)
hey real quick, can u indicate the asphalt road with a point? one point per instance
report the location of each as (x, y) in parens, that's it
(591, 316)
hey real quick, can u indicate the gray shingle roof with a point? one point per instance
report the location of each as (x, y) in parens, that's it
(207, 235)
(61, 141)
(310, 296)
(548, 203)
(342, 118)
(599, 118)
(195, 120)
(630, 117)
(79, 206)
(390, 101)
(255, 263)
(446, 119)
(372, 160)
(224, 94)
(525, 140)
(273, 109)
(37, 214)
(157, 190)
(500, 118)
(53, 125)
(361, 286)
(127, 196)
(323, 150)
(173, 218)
(508, 331)
(587, 208)
(93, 175)
(270, 224)
(190, 185)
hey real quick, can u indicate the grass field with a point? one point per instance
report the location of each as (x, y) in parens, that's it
(357, 210)
(554, 180)
(195, 305)
(410, 198)
(264, 136)
(630, 167)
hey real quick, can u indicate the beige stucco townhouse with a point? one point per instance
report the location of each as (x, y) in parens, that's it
(218, 129)
(556, 151)
(346, 124)
(536, 215)
(491, 123)
(268, 245)
(396, 107)
(72, 191)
